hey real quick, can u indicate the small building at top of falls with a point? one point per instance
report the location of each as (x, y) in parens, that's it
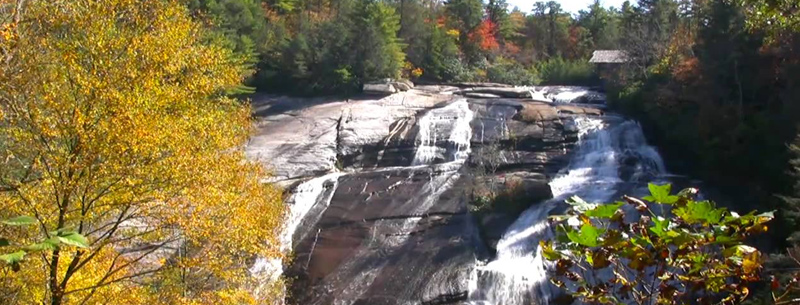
(609, 62)
(609, 57)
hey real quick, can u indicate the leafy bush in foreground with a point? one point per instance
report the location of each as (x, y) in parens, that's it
(662, 249)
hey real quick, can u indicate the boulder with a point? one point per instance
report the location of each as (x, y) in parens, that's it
(298, 135)
(573, 109)
(537, 112)
(379, 88)
(407, 83)
(397, 230)
(441, 89)
(387, 86)
(402, 86)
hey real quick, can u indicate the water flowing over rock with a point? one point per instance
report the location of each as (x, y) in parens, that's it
(380, 188)
(611, 157)
(452, 122)
(574, 95)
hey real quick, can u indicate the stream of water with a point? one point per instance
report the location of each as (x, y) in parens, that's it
(611, 157)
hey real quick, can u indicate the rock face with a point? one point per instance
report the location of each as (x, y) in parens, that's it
(300, 135)
(394, 226)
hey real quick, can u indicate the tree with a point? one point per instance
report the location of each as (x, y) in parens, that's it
(379, 53)
(441, 54)
(114, 126)
(601, 24)
(13, 260)
(548, 28)
(791, 208)
(240, 23)
(414, 29)
(497, 12)
(467, 14)
(773, 16)
(659, 19)
(484, 36)
(662, 249)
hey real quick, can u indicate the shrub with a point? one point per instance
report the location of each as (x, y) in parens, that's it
(512, 73)
(662, 249)
(558, 71)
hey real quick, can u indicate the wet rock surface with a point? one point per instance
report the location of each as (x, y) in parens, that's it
(394, 226)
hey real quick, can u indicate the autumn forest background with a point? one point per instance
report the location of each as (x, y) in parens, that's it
(93, 192)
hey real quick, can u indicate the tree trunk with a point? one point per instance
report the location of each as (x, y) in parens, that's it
(56, 294)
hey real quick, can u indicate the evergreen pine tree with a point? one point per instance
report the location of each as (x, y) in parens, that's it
(379, 53)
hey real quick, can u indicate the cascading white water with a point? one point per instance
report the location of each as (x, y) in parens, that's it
(304, 197)
(451, 124)
(571, 95)
(610, 153)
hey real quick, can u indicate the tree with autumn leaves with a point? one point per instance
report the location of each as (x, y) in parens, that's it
(119, 146)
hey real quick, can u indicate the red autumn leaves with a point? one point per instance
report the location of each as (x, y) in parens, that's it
(484, 35)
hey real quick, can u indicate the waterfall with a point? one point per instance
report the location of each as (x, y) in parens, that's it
(611, 154)
(305, 196)
(450, 124)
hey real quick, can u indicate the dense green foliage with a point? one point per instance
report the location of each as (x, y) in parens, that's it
(662, 249)
(558, 71)
(333, 46)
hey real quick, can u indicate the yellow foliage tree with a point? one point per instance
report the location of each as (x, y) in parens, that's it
(114, 125)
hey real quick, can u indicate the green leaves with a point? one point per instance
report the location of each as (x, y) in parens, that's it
(19, 221)
(13, 258)
(587, 236)
(73, 239)
(62, 236)
(548, 252)
(660, 226)
(682, 247)
(48, 245)
(660, 194)
(738, 251)
(605, 210)
(702, 212)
